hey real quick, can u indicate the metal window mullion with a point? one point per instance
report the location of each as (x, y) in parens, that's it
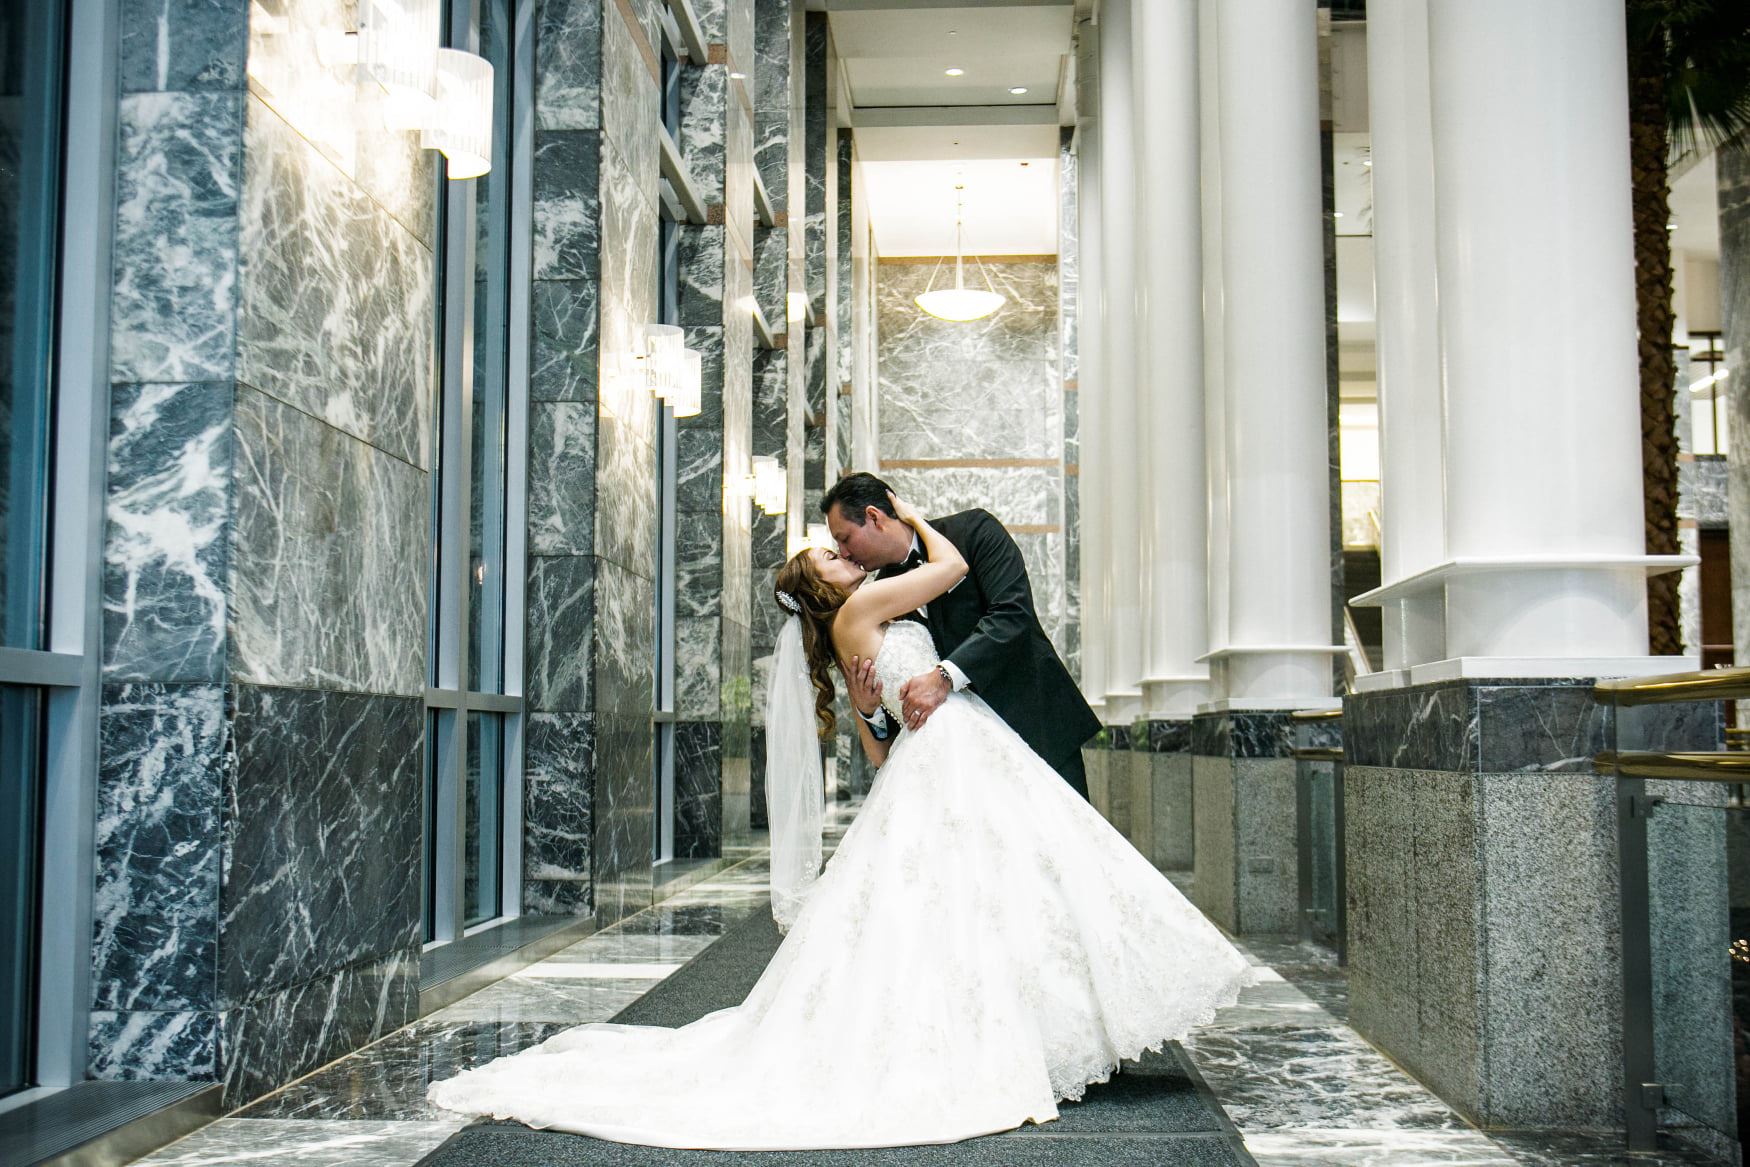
(75, 541)
(449, 881)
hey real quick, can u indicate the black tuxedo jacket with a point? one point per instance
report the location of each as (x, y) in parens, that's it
(988, 628)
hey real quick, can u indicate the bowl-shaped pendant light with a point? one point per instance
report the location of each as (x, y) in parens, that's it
(959, 303)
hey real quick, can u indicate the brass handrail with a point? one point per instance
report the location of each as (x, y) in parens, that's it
(1316, 714)
(1696, 766)
(1318, 754)
(1706, 685)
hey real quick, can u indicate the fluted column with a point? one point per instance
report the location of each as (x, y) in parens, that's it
(1544, 545)
(1090, 380)
(1412, 517)
(1275, 427)
(1124, 655)
(1169, 351)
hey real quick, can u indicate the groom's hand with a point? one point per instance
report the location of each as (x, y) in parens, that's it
(865, 690)
(922, 696)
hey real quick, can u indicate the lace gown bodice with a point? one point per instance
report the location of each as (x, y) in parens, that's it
(907, 649)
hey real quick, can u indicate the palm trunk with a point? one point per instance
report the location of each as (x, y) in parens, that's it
(1648, 146)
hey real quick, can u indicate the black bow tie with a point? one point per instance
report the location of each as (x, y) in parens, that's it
(912, 560)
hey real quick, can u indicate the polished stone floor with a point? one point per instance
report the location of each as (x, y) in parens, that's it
(1302, 1087)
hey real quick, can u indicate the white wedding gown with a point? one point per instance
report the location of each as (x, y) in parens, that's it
(982, 946)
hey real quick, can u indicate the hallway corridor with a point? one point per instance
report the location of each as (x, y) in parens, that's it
(1301, 1087)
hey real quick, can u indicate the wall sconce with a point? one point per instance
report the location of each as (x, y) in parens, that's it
(672, 371)
(769, 484)
(461, 123)
(397, 48)
(816, 535)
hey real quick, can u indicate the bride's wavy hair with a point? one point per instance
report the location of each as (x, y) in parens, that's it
(820, 602)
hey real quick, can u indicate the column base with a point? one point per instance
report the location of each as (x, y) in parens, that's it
(1483, 895)
(1244, 849)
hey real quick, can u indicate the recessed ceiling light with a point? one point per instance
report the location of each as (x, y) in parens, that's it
(1337, 214)
(956, 72)
(1367, 162)
(1018, 90)
(738, 76)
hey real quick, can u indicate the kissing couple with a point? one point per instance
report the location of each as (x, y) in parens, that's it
(982, 946)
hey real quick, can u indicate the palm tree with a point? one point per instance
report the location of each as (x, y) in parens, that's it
(1689, 86)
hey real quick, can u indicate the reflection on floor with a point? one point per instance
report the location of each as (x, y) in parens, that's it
(1302, 1087)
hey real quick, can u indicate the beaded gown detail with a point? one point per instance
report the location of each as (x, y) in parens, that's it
(982, 946)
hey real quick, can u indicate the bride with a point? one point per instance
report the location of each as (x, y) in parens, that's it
(982, 946)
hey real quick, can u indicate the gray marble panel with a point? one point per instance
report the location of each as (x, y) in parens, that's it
(152, 1046)
(709, 341)
(561, 470)
(771, 275)
(1043, 555)
(1702, 491)
(698, 668)
(166, 528)
(699, 564)
(322, 836)
(1016, 496)
(625, 641)
(698, 790)
(322, 1143)
(163, 754)
(567, 204)
(277, 1038)
(1383, 973)
(624, 816)
(181, 45)
(559, 672)
(772, 51)
(701, 275)
(738, 174)
(771, 157)
(704, 98)
(701, 469)
(629, 103)
(179, 181)
(1068, 254)
(1025, 328)
(1449, 903)
(335, 304)
(329, 564)
(567, 320)
(558, 784)
(568, 64)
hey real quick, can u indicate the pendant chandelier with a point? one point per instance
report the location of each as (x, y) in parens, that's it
(959, 303)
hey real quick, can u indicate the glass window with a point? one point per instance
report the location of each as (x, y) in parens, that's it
(31, 37)
(471, 719)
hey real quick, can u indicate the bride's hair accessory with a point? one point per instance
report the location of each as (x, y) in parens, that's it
(789, 602)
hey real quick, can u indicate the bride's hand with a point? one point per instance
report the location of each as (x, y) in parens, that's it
(907, 513)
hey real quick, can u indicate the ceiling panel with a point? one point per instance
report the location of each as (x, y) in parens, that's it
(900, 57)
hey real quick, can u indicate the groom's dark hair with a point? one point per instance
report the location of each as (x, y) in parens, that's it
(854, 491)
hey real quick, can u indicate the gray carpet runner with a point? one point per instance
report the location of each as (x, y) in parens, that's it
(1157, 1111)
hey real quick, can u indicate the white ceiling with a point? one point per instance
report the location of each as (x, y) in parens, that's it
(1011, 209)
(897, 57)
(1696, 211)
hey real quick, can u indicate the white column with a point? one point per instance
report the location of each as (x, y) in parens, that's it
(1412, 515)
(1277, 441)
(1089, 376)
(1537, 319)
(1214, 295)
(1118, 391)
(1169, 350)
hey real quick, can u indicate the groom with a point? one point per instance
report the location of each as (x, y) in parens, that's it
(985, 628)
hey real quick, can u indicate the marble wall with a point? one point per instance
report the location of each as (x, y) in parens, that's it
(777, 385)
(1069, 340)
(713, 638)
(1245, 848)
(972, 414)
(265, 583)
(561, 737)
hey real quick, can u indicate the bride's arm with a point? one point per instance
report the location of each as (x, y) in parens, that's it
(880, 600)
